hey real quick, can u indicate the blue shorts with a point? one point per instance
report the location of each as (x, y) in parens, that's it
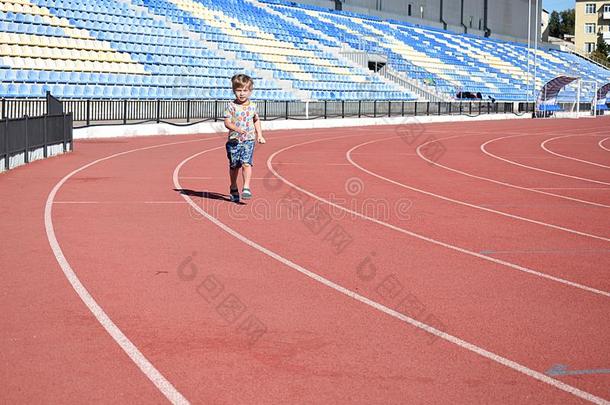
(239, 153)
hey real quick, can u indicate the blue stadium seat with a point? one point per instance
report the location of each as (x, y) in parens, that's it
(64, 77)
(4, 90)
(549, 107)
(108, 90)
(54, 77)
(43, 76)
(136, 92)
(9, 75)
(12, 90)
(184, 66)
(97, 92)
(37, 90)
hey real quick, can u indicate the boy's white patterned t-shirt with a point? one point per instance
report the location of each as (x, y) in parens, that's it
(242, 116)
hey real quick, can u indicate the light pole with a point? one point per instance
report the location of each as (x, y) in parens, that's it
(529, 45)
(537, 30)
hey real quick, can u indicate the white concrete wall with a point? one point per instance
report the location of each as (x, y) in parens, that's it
(37, 154)
(506, 18)
(116, 131)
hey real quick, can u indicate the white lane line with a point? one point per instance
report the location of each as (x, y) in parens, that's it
(214, 178)
(601, 144)
(382, 308)
(307, 163)
(460, 202)
(432, 162)
(154, 375)
(533, 157)
(426, 238)
(385, 154)
(118, 202)
(512, 162)
(149, 370)
(202, 177)
(547, 251)
(543, 146)
(79, 202)
(571, 188)
(163, 202)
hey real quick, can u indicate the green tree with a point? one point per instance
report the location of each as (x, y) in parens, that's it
(568, 20)
(554, 25)
(602, 49)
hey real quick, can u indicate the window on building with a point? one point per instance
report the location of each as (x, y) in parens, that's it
(470, 23)
(607, 8)
(409, 10)
(589, 47)
(590, 8)
(480, 24)
(589, 28)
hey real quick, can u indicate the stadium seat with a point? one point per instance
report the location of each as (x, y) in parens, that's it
(549, 107)
(132, 52)
(4, 90)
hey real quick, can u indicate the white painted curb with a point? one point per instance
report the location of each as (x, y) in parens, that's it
(118, 131)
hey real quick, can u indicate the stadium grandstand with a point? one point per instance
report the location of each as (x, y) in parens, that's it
(413, 209)
(187, 49)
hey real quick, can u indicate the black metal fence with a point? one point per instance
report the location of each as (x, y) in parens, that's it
(184, 112)
(583, 107)
(25, 136)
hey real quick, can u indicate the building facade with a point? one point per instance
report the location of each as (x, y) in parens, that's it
(544, 26)
(592, 18)
(504, 19)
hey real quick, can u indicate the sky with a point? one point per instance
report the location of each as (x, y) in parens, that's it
(558, 5)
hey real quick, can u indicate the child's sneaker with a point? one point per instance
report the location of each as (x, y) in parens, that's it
(246, 194)
(234, 195)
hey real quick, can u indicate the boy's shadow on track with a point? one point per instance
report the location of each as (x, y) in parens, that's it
(210, 195)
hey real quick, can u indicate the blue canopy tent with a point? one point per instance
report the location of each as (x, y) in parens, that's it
(546, 104)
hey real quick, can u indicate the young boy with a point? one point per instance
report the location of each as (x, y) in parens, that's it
(241, 119)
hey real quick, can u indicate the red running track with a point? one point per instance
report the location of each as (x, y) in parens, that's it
(369, 268)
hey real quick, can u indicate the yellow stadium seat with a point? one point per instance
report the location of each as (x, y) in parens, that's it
(14, 39)
(88, 66)
(18, 62)
(39, 64)
(5, 49)
(59, 64)
(109, 56)
(35, 40)
(39, 52)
